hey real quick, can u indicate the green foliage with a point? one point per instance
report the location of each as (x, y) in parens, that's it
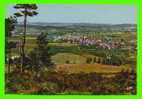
(28, 9)
(67, 61)
(10, 23)
(9, 45)
(9, 27)
(89, 60)
(40, 56)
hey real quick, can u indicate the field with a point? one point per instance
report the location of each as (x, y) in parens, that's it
(88, 68)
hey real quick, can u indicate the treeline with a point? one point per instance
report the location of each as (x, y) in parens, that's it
(113, 60)
(103, 56)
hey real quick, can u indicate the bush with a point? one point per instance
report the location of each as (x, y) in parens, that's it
(51, 82)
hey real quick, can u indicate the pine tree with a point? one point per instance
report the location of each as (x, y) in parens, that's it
(25, 10)
(40, 56)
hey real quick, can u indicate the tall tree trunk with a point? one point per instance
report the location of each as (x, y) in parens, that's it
(9, 56)
(9, 62)
(24, 41)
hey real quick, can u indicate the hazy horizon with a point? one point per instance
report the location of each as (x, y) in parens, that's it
(81, 13)
(77, 23)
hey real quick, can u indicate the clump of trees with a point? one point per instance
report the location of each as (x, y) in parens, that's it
(109, 57)
(10, 23)
(40, 57)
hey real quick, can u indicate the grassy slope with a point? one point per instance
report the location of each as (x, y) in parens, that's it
(87, 68)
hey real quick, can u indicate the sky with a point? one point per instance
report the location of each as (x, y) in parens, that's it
(79, 13)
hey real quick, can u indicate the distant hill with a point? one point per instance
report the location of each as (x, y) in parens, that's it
(75, 27)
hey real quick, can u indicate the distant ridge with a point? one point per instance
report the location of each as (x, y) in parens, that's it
(76, 27)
